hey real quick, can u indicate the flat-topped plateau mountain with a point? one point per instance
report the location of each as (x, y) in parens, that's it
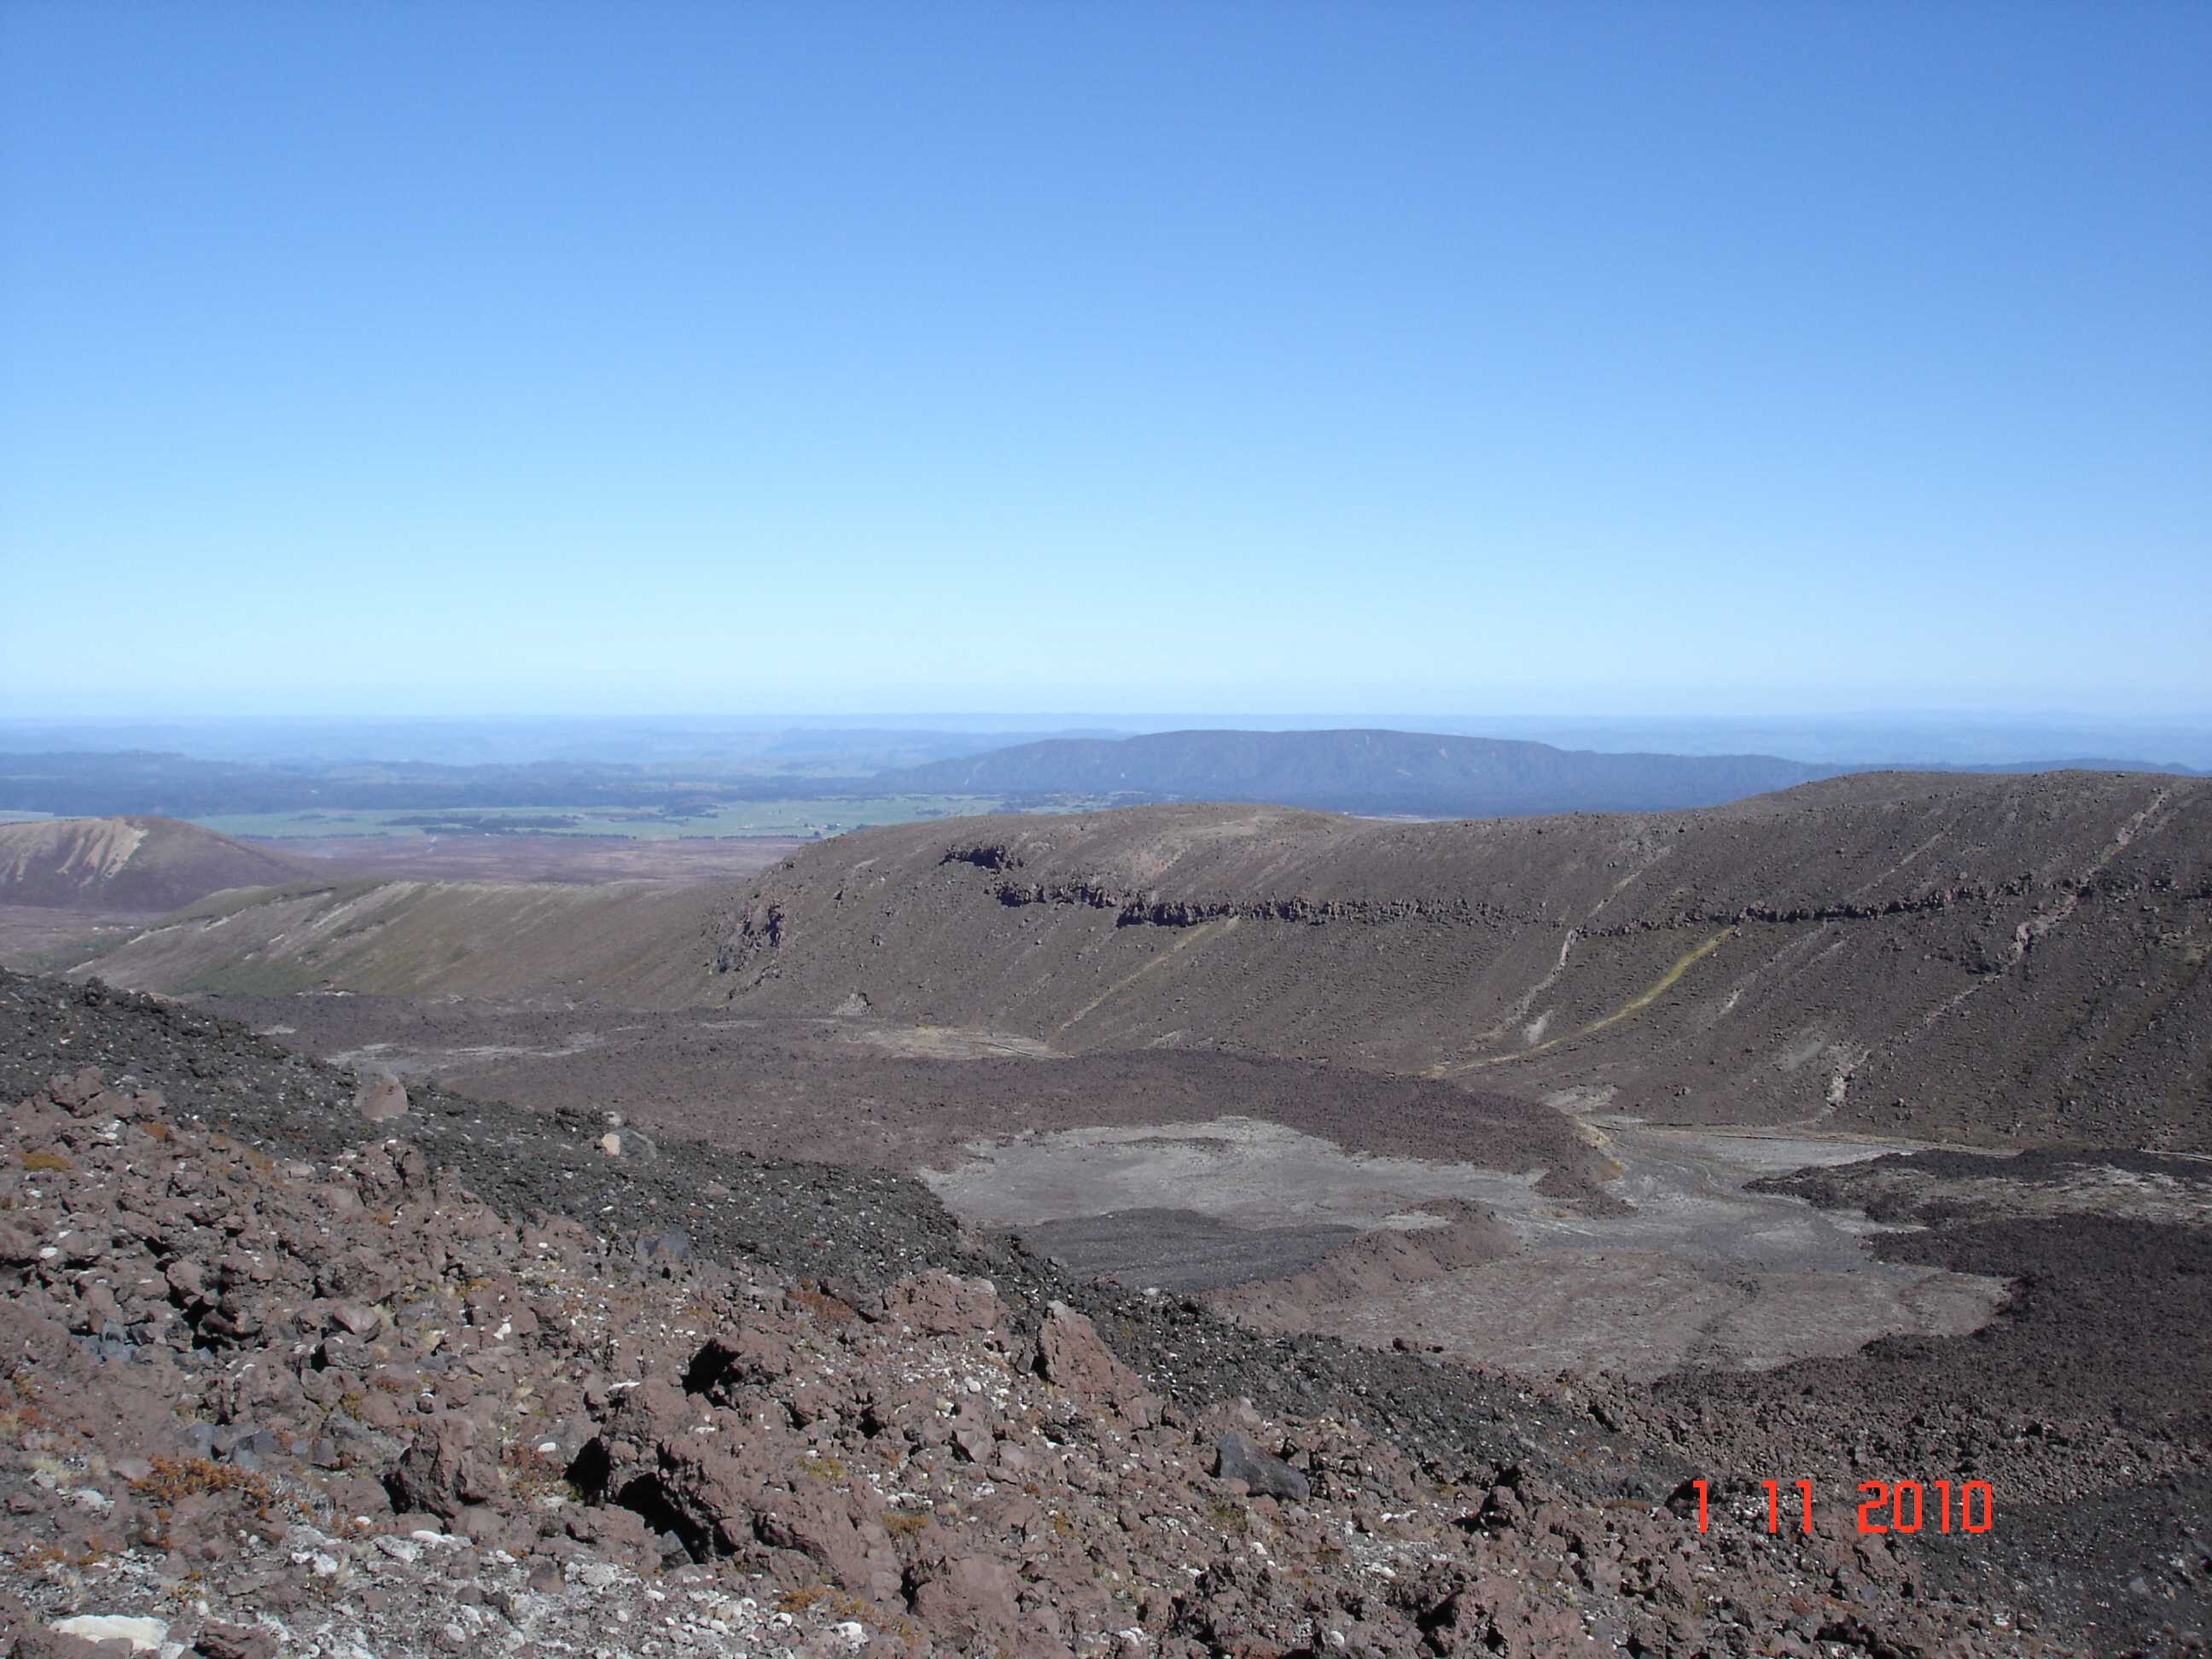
(667, 789)
(1359, 771)
(143, 864)
(1390, 773)
(1981, 958)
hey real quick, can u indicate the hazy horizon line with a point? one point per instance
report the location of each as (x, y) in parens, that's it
(1227, 718)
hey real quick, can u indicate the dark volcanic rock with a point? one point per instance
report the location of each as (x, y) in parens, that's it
(1237, 1458)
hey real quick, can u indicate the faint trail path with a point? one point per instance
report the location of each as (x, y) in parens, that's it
(1635, 1004)
(1192, 936)
(2047, 919)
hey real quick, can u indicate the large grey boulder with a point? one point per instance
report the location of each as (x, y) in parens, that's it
(1237, 1458)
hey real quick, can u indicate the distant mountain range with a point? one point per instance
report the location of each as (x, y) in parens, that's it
(1374, 772)
(1419, 773)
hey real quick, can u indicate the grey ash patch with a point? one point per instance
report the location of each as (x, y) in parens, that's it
(1179, 1250)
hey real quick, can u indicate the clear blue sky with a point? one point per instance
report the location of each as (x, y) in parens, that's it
(394, 358)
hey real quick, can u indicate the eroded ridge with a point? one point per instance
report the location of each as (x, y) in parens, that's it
(1963, 958)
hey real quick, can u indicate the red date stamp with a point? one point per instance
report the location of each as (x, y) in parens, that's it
(1903, 1506)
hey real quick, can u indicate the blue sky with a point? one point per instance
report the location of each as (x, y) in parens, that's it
(1575, 358)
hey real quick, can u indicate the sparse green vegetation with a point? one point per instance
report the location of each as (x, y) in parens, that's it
(536, 1476)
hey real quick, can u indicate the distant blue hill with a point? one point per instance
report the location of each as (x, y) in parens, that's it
(1423, 774)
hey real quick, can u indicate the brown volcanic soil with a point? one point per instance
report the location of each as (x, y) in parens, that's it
(1975, 959)
(131, 863)
(2087, 1407)
(1198, 1172)
(588, 860)
(2028, 953)
(1952, 957)
(333, 1403)
(42, 939)
(2082, 1405)
(638, 942)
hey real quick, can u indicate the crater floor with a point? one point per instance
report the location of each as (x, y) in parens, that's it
(1689, 1268)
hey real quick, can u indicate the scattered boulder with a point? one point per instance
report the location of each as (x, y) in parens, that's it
(1236, 1457)
(73, 1092)
(225, 1641)
(936, 1303)
(1071, 1355)
(969, 1595)
(746, 1358)
(47, 1643)
(838, 1533)
(442, 1473)
(380, 1098)
(627, 1144)
(17, 1248)
(144, 1635)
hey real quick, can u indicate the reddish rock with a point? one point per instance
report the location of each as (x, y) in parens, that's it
(840, 1533)
(1071, 1355)
(44, 1644)
(940, 1304)
(72, 1092)
(443, 1471)
(222, 1641)
(968, 1595)
(736, 1360)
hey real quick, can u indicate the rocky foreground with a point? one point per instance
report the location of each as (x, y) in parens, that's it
(303, 1393)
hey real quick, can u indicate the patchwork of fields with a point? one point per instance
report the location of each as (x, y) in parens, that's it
(828, 815)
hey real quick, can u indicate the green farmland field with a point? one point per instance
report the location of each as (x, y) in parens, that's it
(828, 816)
